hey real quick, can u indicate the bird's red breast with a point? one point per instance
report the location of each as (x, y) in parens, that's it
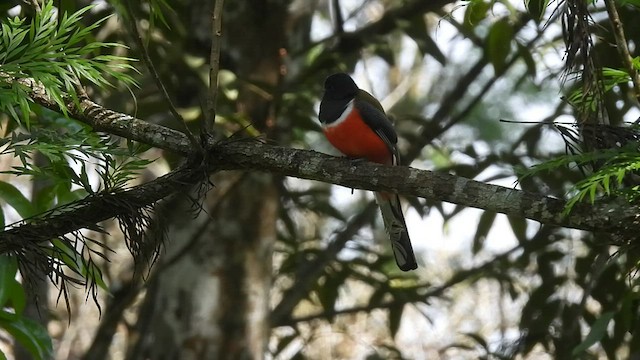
(354, 138)
(355, 123)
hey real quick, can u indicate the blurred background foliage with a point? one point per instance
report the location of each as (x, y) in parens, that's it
(488, 286)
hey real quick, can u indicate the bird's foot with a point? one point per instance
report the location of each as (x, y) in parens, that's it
(356, 160)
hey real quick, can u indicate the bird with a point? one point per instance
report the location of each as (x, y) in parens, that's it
(355, 123)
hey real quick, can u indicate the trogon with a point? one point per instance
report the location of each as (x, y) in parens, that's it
(355, 123)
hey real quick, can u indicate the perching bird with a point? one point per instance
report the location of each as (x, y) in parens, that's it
(355, 123)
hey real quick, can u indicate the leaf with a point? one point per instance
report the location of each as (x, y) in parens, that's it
(484, 225)
(519, 227)
(476, 12)
(498, 44)
(536, 8)
(635, 3)
(51, 49)
(17, 296)
(395, 316)
(73, 259)
(329, 290)
(598, 330)
(16, 200)
(44, 199)
(8, 270)
(605, 185)
(528, 60)
(30, 334)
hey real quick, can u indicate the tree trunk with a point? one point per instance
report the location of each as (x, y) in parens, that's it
(210, 297)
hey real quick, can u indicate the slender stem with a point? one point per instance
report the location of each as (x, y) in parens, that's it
(214, 63)
(623, 49)
(137, 36)
(337, 14)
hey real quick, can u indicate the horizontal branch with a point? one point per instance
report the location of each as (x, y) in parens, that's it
(113, 122)
(90, 211)
(608, 217)
(252, 155)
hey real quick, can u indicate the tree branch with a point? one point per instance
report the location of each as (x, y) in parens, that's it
(88, 212)
(621, 44)
(603, 216)
(112, 122)
(214, 65)
(252, 155)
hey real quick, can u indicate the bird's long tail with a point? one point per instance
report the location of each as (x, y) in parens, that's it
(397, 229)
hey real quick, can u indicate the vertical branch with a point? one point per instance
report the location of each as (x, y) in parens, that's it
(337, 13)
(214, 64)
(621, 44)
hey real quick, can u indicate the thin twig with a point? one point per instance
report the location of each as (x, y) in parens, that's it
(337, 15)
(137, 36)
(214, 63)
(621, 44)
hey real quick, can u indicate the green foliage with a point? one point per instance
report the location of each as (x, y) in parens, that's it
(80, 261)
(54, 52)
(609, 177)
(66, 144)
(588, 97)
(70, 155)
(476, 11)
(16, 199)
(536, 8)
(157, 11)
(634, 3)
(613, 167)
(30, 334)
(596, 333)
(499, 44)
(158, 8)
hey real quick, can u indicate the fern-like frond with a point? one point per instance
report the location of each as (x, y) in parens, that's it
(614, 165)
(55, 51)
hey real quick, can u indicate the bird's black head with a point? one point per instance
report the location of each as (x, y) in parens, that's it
(340, 86)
